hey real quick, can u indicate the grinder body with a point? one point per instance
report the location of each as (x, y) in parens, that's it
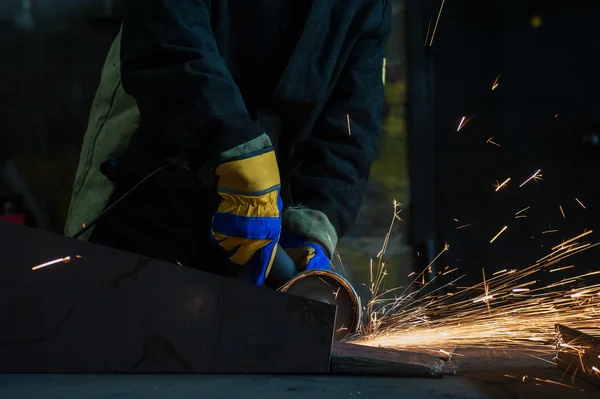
(320, 285)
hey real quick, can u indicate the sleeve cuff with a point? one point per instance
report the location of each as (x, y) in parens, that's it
(312, 224)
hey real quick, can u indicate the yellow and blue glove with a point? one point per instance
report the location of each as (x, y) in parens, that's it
(247, 224)
(305, 254)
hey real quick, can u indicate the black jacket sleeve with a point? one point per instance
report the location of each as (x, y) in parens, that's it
(170, 64)
(333, 176)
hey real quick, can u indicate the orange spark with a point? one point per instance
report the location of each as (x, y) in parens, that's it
(465, 225)
(504, 183)
(522, 210)
(462, 123)
(428, 29)
(562, 268)
(489, 141)
(487, 290)
(336, 293)
(534, 176)
(483, 298)
(443, 352)
(52, 262)
(510, 310)
(557, 383)
(498, 235)
(436, 22)
(561, 211)
(495, 85)
(580, 203)
(572, 239)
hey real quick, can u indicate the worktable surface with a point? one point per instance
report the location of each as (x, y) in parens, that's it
(480, 374)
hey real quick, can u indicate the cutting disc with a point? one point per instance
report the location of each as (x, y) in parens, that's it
(329, 287)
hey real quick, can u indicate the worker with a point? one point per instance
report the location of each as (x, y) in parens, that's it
(224, 129)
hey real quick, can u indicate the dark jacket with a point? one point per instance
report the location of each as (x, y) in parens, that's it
(209, 75)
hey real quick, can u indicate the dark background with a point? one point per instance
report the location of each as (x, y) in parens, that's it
(49, 71)
(545, 114)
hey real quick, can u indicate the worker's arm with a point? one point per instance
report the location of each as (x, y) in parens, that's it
(170, 64)
(189, 103)
(329, 185)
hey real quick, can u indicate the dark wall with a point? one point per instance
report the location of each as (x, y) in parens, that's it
(545, 114)
(50, 70)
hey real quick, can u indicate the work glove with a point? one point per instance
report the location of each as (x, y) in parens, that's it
(305, 254)
(247, 224)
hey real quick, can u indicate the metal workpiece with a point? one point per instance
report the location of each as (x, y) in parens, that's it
(74, 307)
(578, 354)
(354, 359)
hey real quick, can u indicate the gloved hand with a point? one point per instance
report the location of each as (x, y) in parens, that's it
(305, 254)
(247, 224)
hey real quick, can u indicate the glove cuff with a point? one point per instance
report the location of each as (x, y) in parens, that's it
(206, 172)
(250, 168)
(311, 224)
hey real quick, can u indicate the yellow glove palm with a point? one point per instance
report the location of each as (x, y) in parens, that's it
(247, 224)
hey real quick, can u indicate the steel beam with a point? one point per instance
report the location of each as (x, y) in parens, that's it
(109, 311)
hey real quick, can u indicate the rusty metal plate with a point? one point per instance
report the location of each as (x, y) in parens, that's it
(109, 311)
(578, 354)
(348, 358)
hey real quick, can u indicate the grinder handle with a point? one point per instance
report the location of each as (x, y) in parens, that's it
(282, 270)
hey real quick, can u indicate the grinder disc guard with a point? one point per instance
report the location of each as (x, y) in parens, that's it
(329, 287)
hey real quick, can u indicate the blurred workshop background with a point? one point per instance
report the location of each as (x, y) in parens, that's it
(476, 93)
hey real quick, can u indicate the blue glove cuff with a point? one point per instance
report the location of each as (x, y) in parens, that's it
(320, 261)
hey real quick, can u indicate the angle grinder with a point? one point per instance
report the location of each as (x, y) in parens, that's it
(320, 285)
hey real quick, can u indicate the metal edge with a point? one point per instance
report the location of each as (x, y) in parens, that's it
(343, 282)
(578, 354)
